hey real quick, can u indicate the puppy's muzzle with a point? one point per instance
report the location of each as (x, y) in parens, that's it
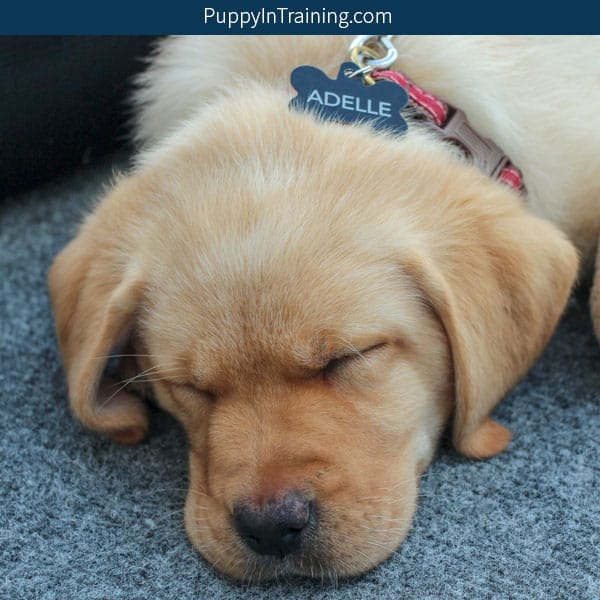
(278, 527)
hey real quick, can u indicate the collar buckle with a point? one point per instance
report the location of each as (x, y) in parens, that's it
(486, 155)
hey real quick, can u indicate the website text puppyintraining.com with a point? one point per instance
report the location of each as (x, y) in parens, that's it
(250, 19)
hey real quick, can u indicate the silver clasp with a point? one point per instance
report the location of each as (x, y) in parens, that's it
(367, 51)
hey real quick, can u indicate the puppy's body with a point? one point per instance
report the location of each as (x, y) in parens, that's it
(536, 97)
(313, 300)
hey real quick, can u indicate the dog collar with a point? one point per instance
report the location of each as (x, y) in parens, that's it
(452, 124)
(372, 92)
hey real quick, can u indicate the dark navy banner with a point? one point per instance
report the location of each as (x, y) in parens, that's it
(290, 17)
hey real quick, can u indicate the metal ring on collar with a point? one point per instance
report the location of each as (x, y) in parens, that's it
(385, 41)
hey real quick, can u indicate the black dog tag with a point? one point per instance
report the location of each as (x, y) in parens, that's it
(348, 99)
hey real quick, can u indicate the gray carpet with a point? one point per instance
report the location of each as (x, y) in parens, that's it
(83, 518)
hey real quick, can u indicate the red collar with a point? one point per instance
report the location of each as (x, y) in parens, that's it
(453, 125)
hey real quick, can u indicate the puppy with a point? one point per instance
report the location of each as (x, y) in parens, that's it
(315, 302)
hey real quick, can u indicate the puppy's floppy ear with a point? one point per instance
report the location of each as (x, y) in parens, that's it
(95, 289)
(498, 279)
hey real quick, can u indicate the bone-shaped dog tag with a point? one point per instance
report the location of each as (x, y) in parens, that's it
(348, 99)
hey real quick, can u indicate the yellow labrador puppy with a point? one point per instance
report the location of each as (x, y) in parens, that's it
(316, 301)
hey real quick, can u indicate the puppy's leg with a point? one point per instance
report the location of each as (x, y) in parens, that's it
(595, 296)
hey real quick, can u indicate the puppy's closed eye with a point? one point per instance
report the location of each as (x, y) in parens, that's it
(339, 364)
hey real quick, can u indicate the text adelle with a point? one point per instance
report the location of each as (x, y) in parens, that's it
(351, 103)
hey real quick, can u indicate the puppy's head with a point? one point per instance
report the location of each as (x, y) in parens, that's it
(311, 301)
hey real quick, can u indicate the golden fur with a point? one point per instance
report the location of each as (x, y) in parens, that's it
(314, 302)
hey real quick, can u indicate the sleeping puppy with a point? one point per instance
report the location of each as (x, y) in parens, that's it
(315, 302)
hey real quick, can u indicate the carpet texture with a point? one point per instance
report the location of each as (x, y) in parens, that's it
(83, 518)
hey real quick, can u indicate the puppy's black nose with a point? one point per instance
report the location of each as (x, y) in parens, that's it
(277, 527)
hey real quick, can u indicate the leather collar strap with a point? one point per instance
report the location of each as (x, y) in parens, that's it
(453, 125)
